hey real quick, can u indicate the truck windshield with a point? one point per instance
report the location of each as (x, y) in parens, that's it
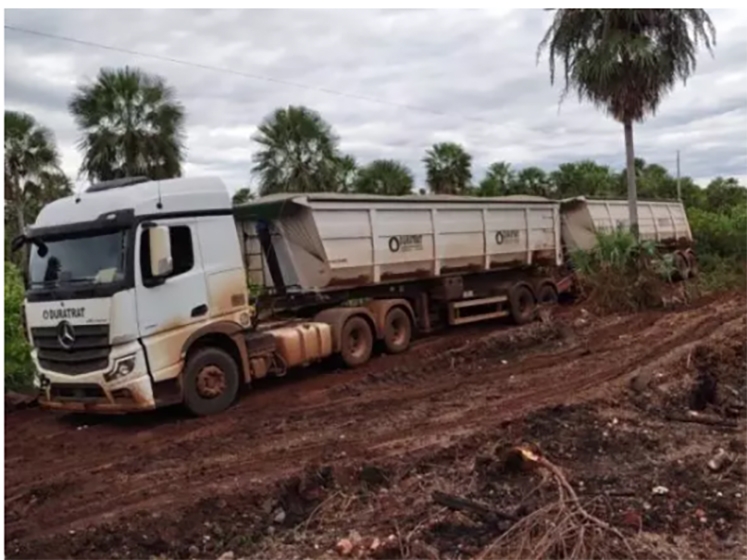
(94, 259)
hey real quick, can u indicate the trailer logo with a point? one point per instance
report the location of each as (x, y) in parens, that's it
(65, 335)
(405, 243)
(64, 313)
(507, 236)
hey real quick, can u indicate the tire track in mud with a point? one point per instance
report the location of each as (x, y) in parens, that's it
(59, 477)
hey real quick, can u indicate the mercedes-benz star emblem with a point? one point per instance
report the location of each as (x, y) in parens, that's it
(65, 334)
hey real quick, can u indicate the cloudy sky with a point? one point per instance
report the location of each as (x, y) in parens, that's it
(467, 76)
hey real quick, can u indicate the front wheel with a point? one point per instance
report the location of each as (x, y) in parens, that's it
(211, 382)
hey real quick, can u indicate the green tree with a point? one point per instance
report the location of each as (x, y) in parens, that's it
(534, 181)
(298, 152)
(32, 175)
(385, 177)
(18, 368)
(498, 180)
(32, 172)
(448, 168)
(626, 61)
(242, 196)
(132, 125)
(583, 178)
(724, 195)
(346, 173)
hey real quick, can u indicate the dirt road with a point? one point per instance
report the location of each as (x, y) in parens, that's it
(133, 486)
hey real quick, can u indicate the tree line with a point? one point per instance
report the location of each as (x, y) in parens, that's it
(132, 123)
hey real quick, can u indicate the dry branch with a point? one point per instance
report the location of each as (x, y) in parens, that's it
(456, 502)
(563, 528)
(706, 420)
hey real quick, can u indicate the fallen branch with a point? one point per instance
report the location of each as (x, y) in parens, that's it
(456, 502)
(706, 420)
(563, 528)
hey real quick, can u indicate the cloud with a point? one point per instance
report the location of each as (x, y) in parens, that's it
(474, 74)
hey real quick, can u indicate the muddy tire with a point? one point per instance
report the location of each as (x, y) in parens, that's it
(692, 262)
(547, 295)
(211, 382)
(356, 342)
(681, 266)
(397, 331)
(522, 304)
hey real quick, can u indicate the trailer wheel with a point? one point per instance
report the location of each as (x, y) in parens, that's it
(692, 262)
(547, 295)
(681, 265)
(521, 302)
(211, 381)
(356, 342)
(397, 331)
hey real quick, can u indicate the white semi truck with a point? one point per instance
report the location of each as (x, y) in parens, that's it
(138, 291)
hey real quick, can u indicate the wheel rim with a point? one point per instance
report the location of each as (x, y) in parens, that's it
(397, 331)
(211, 382)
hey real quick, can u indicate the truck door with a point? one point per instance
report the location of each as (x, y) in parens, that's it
(169, 311)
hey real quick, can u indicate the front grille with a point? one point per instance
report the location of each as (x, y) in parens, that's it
(89, 352)
(78, 392)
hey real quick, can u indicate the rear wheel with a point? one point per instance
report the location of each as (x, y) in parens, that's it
(681, 265)
(397, 331)
(692, 263)
(522, 304)
(356, 342)
(547, 295)
(211, 381)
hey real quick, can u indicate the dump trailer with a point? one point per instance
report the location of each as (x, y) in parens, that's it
(662, 222)
(452, 258)
(138, 290)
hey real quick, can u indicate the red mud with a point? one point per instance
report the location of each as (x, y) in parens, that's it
(165, 484)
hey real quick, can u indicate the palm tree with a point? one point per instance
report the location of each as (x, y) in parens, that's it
(346, 173)
(298, 152)
(32, 173)
(625, 61)
(132, 125)
(242, 196)
(385, 177)
(448, 168)
(497, 181)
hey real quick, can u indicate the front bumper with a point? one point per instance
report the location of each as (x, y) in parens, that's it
(108, 391)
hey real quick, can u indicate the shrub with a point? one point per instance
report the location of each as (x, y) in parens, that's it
(18, 366)
(623, 274)
(721, 246)
(721, 235)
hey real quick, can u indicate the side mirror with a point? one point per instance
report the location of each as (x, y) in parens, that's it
(161, 262)
(17, 243)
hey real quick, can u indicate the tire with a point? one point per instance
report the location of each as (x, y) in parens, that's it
(692, 262)
(356, 341)
(211, 382)
(522, 304)
(397, 331)
(681, 265)
(547, 295)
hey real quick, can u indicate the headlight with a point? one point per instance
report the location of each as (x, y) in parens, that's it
(122, 368)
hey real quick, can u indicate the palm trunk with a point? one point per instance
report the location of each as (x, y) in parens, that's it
(632, 194)
(21, 224)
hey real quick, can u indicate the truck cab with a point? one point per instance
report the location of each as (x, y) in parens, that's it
(124, 280)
